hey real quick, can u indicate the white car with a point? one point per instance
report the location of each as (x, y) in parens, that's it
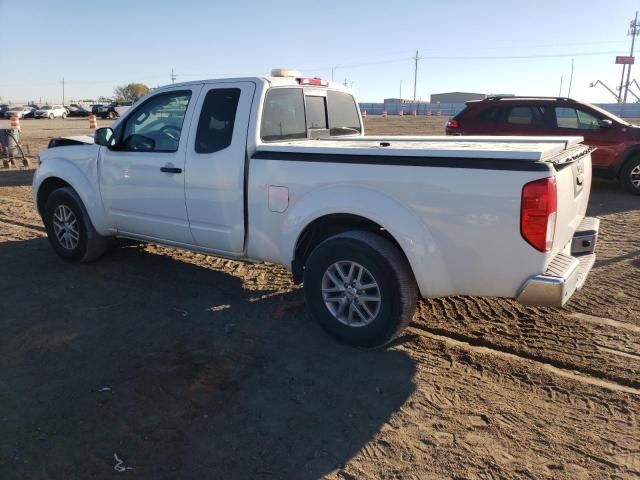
(18, 112)
(277, 169)
(51, 112)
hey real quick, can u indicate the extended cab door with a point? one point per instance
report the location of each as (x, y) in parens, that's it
(142, 179)
(215, 169)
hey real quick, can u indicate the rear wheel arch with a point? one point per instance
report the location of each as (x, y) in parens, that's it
(628, 155)
(329, 225)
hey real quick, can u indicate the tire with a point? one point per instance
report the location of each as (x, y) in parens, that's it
(88, 246)
(112, 115)
(51, 116)
(630, 176)
(64, 116)
(381, 263)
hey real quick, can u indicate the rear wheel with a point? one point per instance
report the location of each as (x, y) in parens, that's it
(69, 228)
(360, 288)
(51, 116)
(64, 116)
(112, 115)
(630, 176)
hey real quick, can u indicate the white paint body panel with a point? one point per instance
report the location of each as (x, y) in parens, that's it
(458, 227)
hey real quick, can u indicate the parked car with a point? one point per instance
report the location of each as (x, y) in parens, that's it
(617, 155)
(51, 112)
(3, 108)
(113, 110)
(32, 113)
(277, 169)
(18, 112)
(77, 110)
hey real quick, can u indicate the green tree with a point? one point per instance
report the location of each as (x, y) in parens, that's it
(130, 92)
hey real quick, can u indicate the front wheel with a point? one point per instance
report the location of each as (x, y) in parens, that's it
(51, 116)
(64, 116)
(360, 288)
(630, 176)
(69, 228)
(112, 115)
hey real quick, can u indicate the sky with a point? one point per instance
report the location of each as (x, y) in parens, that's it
(464, 45)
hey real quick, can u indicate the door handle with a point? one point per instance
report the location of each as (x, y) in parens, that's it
(170, 170)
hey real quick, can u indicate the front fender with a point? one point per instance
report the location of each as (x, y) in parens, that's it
(403, 224)
(77, 166)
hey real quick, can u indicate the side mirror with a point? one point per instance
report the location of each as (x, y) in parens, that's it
(105, 137)
(605, 123)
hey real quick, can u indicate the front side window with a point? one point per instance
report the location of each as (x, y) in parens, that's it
(215, 127)
(567, 117)
(156, 125)
(283, 115)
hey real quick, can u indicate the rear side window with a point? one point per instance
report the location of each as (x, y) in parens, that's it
(526, 116)
(215, 127)
(343, 114)
(490, 114)
(283, 115)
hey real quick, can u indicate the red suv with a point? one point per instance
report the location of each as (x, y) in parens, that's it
(618, 153)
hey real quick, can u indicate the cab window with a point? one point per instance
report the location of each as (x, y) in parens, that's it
(283, 116)
(156, 125)
(215, 127)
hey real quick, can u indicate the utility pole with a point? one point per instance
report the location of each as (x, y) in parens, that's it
(570, 80)
(400, 89)
(624, 66)
(560, 92)
(415, 76)
(633, 31)
(345, 82)
(333, 69)
(173, 76)
(63, 91)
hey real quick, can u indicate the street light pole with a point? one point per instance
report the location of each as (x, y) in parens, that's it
(633, 31)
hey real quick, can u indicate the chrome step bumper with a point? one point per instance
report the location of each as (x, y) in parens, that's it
(566, 273)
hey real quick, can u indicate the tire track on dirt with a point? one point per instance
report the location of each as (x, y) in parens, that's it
(558, 368)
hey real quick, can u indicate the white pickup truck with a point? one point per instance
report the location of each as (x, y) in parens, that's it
(278, 169)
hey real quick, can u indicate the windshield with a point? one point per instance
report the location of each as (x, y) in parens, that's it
(47, 107)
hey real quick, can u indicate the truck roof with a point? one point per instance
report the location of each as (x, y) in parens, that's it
(272, 81)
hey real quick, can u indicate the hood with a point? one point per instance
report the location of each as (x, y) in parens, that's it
(69, 141)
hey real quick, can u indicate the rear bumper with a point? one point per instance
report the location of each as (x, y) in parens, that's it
(566, 273)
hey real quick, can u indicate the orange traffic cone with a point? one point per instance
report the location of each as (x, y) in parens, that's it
(15, 122)
(93, 122)
(384, 114)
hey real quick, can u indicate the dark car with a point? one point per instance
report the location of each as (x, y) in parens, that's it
(618, 142)
(3, 108)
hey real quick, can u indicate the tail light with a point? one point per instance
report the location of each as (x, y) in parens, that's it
(538, 213)
(317, 82)
(453, 124)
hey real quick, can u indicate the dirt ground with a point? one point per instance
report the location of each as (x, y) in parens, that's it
(187, 366)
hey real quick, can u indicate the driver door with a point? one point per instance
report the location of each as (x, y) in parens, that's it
(142, 178)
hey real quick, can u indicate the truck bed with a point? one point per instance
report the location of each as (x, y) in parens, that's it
(535, 149)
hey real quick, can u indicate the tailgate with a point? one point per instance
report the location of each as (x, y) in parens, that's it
(573, 177)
